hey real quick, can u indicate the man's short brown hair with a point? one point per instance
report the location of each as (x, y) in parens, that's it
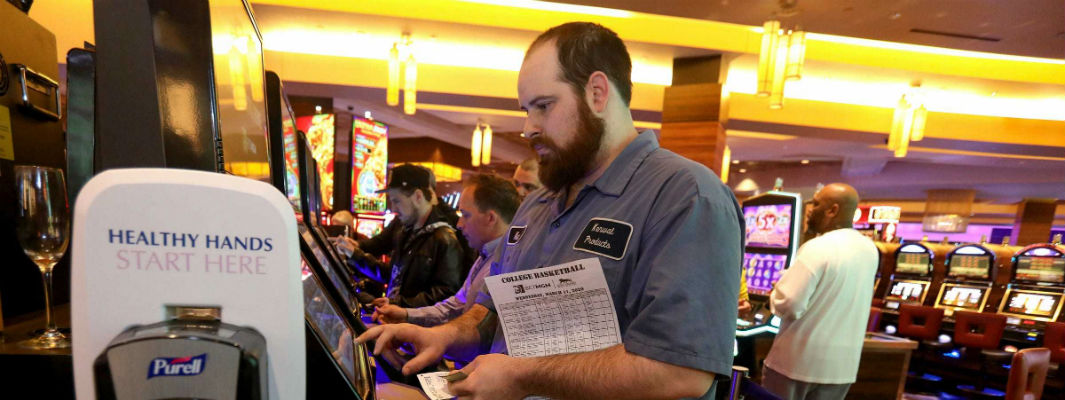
(586, 47)
(491, 192)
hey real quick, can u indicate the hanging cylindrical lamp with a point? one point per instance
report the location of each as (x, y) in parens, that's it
(796, 54)
(766, 57)
(410, 85)
(776, 91)
(475, 147)
(486, 145)
(392, 90)
(919, 117)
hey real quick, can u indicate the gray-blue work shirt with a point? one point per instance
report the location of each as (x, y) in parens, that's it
(669, 235)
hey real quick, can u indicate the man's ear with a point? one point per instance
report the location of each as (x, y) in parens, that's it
(597, 91)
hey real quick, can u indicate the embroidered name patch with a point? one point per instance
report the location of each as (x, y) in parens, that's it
(606, 237)
(515, 233)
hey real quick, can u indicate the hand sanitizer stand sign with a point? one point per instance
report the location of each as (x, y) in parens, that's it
(145, 239)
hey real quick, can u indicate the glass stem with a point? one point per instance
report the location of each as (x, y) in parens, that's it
(47, 275)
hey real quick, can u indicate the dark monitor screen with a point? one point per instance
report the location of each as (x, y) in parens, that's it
(907, 291)
(239, 89)
(312, 203)
(339, 281)
(763, 271)
(970, 266)
(1040, 269)
(326, 321)
(769, 225)
(1032, 304)
(963, 296)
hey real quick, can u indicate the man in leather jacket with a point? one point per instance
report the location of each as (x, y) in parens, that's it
(428, 262)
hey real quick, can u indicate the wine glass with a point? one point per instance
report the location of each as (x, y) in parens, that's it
(44, 232)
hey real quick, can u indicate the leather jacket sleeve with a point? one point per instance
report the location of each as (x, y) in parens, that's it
(446, 271)
(383, 243)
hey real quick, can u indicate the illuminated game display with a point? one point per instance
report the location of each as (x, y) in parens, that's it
(970, 266)
(908, 291)
(320, 137)
(768, 225)
(913, 259)
(369, 164)
(1042, 269)
(961, 296)
(292, 167)
(1042, 306)
(763, 270)
(369, 225)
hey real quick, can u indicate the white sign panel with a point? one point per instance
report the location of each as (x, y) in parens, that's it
(148, 238)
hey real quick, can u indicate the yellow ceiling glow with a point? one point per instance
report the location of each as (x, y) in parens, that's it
(436, 51)
(557, 7)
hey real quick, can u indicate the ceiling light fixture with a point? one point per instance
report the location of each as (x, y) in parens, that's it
(908, 122)
(401, 57)
(780, 59)
(726, 161)
(481, 145)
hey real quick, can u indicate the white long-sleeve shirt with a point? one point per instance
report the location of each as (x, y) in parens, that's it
(823, 301)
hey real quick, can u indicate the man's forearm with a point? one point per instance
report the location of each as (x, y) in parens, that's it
(610, 373)
(462, 332)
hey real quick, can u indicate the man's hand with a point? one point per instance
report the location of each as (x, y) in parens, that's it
(491, 377)
(390, 314)
(744, 307)
(380, 302)
(345, 245)
(429, 343)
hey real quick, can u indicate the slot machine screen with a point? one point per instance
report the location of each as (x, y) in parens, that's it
(369, 226)
(768, 225)
(1032, 304)
(1040, 269)
(912, 263)
(907, 291)
(763, 271)
(240, 90)
(292, 163)
(369, 164)
(970, 266)
(328, 324)
(321, 141)
(335, 278)
(960, 296)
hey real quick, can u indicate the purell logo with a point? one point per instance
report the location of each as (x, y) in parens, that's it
(181, 366)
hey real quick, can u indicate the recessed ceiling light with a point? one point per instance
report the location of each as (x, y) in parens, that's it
(368, 115)
(318, 109)
(735, 161)
(895, 16)
(804, 162)
(993, 94)
(743, 170)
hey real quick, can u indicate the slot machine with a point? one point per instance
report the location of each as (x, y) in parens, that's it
(772, 234)
(969, 281)
(912, 277)
(886, 266)
(1034, 294)
(336, 366)
(773, 224)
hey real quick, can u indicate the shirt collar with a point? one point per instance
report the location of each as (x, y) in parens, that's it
(620, 172)
(490, 247)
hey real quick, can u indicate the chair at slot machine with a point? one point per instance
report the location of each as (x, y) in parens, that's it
(920, 323)
(978, 336)
(1054, 339)
(874, 320)
(1028, 373)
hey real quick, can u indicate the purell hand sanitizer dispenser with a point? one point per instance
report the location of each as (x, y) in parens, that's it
(185, 285)
(191, 355)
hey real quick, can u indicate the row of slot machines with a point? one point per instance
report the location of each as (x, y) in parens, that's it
(1026, 284)
(336, 366)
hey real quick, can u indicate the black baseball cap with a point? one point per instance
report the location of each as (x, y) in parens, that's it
(408, 176)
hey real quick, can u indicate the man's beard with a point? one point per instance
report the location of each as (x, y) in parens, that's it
(562, 167)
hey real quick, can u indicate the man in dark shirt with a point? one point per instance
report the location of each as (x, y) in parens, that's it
(428, 262)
